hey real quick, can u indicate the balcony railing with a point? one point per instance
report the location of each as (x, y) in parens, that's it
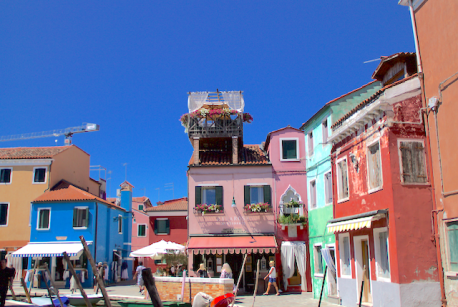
(219, 127)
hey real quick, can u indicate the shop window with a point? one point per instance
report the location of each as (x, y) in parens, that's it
(318, 260)
(289, 149)
(374, 168)
(345, 257)
(324, 131)
(413, 167)
(342, 180)
(80, 217)
(161, 227)
(328, 188)
(257, 194)
(310, 143)
(5, 175)
(141, 230)
(4, 214)
(39, 175)
(120, 224)
(381, 253)
(209, 195)
(312, 185)
(452, 235)
(44, 215)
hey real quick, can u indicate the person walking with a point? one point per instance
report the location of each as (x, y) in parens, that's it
(6, 277)
(202, 271)
(226, 271)
(100, 273)
(138, 275)
(272, 278)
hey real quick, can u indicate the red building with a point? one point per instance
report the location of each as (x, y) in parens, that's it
(168, 222)
(383, 196)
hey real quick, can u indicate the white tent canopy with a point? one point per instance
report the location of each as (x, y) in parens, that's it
(157, 249)
(233, 99)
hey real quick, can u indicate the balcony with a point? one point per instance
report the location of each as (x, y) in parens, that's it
(216, 127)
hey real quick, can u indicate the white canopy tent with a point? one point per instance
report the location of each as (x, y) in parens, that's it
(156, 250)
(293, 252)
(233, 99)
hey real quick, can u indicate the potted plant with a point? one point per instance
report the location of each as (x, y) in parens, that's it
(259, 207)
(212, 208)
(291, 207)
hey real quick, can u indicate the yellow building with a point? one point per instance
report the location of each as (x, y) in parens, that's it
(25, 174)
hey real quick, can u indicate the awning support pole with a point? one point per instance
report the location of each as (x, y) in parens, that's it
(53, 285)
(27, 294)
(256, 284)
(33, 274)
(77, 280)
(95, 272)
(150, 285)
(240, 277)
(47, 287)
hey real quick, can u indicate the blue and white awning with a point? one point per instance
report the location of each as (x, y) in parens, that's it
(50, 249)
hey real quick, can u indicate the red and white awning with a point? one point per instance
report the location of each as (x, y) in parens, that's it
(232, 245)
(355, 222)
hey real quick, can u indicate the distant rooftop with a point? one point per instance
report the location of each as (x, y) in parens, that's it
(31, 152)
(232, 100)
(248, 155)
(180, 204)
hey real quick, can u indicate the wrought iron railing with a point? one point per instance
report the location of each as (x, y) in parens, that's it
(205, 128)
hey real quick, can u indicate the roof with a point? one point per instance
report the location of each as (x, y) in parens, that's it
(370, 100)
(385, 64)
(248, 155)
(71, 193)
(143, 200)
(334, 100)
(126, 182)
(179, 204)
(32, 152)
(266, 145)
(96, 181)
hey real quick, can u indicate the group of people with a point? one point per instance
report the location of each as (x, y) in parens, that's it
(6, 280)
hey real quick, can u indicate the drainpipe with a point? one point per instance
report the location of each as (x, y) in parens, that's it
(414, 28)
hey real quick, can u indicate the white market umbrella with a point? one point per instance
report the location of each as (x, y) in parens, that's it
(158, 249)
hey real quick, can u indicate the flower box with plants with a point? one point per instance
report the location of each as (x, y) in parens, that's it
(292, 207)
(292, 220)
(257, 208)
(204, 208)
(214, 114)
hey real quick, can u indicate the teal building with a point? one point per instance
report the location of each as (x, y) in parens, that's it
(319, 185)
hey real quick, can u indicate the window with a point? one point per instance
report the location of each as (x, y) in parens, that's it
(345, 257)
(161, 227)
(3, 214)
(141, 230)
(289, 149)
(452, 234)
(381, 253)
(209, 195)
(324, 131)
(80, 217)
(257, 194)
(328, 188)
(342, 180)
(310, 143)
(413, 168)
(374, 166)
(318, 260)
(119, 223)
(43, 218)
(5, 175)
(140, 207)
(312, 185)
(39, 175)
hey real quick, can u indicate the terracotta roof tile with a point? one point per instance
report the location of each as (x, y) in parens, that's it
(180, 204)
(31, 152)
(248, 155)
(383, 66)
(267, 142)
(71, 193)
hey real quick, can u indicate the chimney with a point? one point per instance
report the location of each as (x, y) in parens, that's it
(196, 150)
(235, 150)
(126, 196)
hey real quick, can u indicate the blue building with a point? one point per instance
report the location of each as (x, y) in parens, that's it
(66, 212)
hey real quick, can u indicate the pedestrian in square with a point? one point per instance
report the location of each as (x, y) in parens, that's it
(6, 277)
(272, 278)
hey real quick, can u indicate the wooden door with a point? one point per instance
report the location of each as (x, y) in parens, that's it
(367, 293)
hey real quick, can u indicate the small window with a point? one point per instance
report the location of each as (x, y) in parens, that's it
(80, 217)
(39, 175)
(413, 167)
(209, 195)
(162, 227)
(140, 207)
(289, 149)
(3, 214)
(381, 253)
(345, 257)
(43, 218)
(328, 188)
(256, 195)
(119, 223)
(312, 185)
(310, 143)
(5, 175)
(452, 236)
(342, 180)
(318, 259)
(374, 166)
(141, 230)
(324, 131)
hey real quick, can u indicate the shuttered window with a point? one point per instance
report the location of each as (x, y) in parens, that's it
(312, 185)
(289, 150)
(257, 194)
(43, 218)
(141, 230)
(119, 223)
(342, 180)
(162, 227)
(209, 195)
(310, 143)
(80, 217)
(328, 188)
(413, 168)
(3, 214)
(324, 131)
(374, 168)
(5, 175)
(452, 232)
(140, 207)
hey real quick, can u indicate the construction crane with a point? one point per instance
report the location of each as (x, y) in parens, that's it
(68, 132)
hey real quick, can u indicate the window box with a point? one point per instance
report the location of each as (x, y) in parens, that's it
(257, 208)
(292, 220)
(205, 209)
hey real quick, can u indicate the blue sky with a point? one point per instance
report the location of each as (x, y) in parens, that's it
(128, 65)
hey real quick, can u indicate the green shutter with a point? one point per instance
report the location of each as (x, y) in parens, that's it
(219, 195)
(198, 195)
(453, 245)
(75, 216)
(155, 226)
(246, 195)
(267, 198)
(167, 227)
(87, 217)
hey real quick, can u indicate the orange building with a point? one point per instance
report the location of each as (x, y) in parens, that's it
(435, 29)
(25, 174)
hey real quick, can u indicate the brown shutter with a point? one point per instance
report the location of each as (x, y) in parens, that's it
(418, 162)
(406, 160)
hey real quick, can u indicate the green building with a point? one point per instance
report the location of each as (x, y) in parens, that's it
(319, 184)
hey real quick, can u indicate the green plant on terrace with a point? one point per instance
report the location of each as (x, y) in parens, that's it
(292, 204)
(292, 219)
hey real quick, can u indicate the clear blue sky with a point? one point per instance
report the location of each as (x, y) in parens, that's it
(128, 65)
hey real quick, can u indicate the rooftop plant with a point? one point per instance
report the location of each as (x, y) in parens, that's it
(292, 219)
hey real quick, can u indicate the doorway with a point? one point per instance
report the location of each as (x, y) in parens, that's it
(363, 268)
(332, 276)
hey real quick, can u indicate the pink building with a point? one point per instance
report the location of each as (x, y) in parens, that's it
(286, 152)
(140, 226)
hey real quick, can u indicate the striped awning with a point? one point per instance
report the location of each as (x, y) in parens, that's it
(50, 249)
(358, 222)
(232, 245)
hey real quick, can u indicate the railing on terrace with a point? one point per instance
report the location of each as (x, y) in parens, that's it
(204, 128)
